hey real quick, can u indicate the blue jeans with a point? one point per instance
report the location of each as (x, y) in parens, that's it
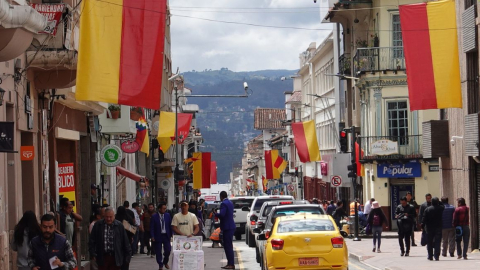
(466, 238)
(135, 242)
(377, 235)
(228, 246)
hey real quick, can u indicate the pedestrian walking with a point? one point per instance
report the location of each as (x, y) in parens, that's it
(136, 236)
(331, 208)
(427, 203)
(339, 214)
(98, 215)
(461, 221)
(123, 215)
(161, 232)
(25, 230)
(146, 218)
(368, 206)
(68, 219)
(448, 231)
(141, 237)
(185, 223)
(414, 204)
(404, 215)
(227, 226)
(50, 249)
(109, 245)
(376, 219)
(432, 223)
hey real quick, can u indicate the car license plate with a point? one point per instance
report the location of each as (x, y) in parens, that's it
(238, 225)
(307, 261)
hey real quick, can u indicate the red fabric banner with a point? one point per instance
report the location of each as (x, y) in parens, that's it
(213, 172)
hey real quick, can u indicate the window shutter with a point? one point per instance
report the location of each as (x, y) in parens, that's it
(469, 29)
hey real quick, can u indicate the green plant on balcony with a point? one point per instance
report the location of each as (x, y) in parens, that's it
(136, 113)
(361, 43)
(114, 111)
(346, 65)
(363, 63)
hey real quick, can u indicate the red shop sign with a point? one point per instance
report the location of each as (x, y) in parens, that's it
(130, 146)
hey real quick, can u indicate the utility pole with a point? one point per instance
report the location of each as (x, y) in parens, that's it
(354, 181)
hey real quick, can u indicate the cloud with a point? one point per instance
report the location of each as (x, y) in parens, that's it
(201, 44)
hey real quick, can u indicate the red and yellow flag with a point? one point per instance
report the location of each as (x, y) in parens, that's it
(166, 130)
(121, 52)
(430, 45)
(213, 172)
(264, 183)
(358, 155)
(201, 170)
(142, 137)
(274, 164)
(306, 141)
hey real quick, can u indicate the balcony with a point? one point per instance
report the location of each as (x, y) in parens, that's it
(379, 59)
(344, 64)
(391, 147)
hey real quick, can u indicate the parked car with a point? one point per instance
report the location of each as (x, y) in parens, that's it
(254, 211)
(295, 207)
(240, 211)
(305, 241)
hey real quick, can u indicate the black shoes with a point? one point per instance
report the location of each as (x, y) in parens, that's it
(407, 254)
(414, 245)
(402, 253)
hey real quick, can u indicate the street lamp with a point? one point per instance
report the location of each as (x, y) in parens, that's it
(341, 76)
(177, 98)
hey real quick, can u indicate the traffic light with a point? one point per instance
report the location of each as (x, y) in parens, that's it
(352, 170)
(343, 141)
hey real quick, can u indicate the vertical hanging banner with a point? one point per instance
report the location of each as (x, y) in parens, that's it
(201, 170)
(121, 52)
(213, 172)
(142, 134)
(430, 44)
(306, 141)
(53, 13)
(66, 182)
(166, 126)
(274, 164)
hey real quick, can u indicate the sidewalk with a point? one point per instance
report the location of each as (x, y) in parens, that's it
(390, 258)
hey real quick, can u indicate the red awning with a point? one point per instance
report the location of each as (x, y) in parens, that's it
(131, 175)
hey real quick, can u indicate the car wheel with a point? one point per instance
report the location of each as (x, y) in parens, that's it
(238, 236)
(251, 240)
(257, 253)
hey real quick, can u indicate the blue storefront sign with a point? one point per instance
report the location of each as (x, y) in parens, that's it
(399, 170)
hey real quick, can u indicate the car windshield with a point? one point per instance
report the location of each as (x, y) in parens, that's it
(304, 225)
(293, 211)
(259, 202)
(240, 203)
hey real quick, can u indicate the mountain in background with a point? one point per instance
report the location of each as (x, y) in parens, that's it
(226, 124)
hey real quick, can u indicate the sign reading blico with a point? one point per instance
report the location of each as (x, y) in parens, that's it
(66, 182)
(398, 170)
(111, 155)
(384, 147)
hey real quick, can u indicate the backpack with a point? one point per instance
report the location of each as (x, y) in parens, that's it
(376, 220)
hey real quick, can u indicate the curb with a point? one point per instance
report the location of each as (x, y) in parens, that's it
(362, 258)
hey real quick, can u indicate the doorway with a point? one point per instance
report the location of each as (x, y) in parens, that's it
(398, 189)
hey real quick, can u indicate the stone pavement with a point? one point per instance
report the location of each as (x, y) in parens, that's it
(390, 258)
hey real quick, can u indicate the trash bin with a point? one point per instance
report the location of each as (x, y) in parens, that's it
(351, 223)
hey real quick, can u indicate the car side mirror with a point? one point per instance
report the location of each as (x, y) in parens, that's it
(344, 233)
(246, 209)
(261, 237)
(256, 230)
(254, 218)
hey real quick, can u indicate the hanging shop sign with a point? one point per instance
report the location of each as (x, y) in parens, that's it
(130, 146)
(27, 153)
(111, 155)
(384, 147)
(53, 13)
(399, 170)
(66, 182)
(6, 136)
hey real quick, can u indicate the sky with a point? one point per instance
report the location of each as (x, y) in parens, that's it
(201, 44)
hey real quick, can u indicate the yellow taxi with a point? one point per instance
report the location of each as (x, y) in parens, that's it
(305, 241)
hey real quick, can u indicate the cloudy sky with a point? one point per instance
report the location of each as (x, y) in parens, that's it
(209, 44)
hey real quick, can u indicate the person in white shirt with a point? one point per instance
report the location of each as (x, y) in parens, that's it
(368, 206)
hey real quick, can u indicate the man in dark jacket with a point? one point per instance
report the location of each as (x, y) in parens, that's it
(161, 232)
(427, 203)
(109, 244)
(50, 245)
(227, 225)
(413, 203)
(432, 223)
(404, 215)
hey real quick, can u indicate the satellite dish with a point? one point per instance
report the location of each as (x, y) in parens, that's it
(165, 184)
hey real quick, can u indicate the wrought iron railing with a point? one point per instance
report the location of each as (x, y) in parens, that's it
(379, 59)
(344, 64)
(391, 147)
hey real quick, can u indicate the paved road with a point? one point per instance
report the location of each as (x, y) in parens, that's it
(215, 258)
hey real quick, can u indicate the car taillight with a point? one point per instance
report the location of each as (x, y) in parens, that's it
(253, 223)
(216, 219)
(267, 234)
(277, 244)
(337, 242)
(283, 203)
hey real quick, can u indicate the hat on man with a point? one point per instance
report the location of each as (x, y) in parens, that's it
(183, 202)
(375, 205)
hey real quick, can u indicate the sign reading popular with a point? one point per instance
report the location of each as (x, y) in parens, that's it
(66, 182)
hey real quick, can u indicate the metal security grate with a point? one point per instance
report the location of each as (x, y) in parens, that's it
(469, 29)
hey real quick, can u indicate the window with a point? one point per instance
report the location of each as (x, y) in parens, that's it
(240, 203)
(397, 40)
(398, 121)
(305, 225)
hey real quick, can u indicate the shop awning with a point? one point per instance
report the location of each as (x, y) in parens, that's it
(132, 175)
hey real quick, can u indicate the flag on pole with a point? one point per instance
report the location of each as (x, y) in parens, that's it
(430, 44)
(166, 130)
(201, 170)
(213, 172)
(142, 137)
(358, 155)
(121, 50)
(306, 141)
(274, 164)
(264, 183)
